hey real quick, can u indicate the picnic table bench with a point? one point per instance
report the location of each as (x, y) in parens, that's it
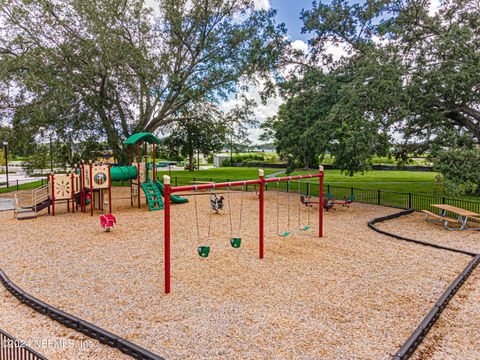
(462, 216)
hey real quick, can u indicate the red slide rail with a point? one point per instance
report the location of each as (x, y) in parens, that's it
(261, 181)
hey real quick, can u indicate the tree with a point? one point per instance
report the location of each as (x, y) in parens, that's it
(203, 132)
(111, 68)
(409, 77)
(324, 115)
(238, 121)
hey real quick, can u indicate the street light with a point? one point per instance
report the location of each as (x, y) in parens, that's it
(5, 144)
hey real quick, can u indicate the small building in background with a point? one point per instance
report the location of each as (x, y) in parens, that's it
(218, 159)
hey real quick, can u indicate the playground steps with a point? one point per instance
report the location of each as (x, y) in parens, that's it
(153, 195)
(32, 211)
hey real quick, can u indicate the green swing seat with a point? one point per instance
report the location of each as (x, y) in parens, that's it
(305, 228)
(235, 242)
(286, 233)
(204, 251)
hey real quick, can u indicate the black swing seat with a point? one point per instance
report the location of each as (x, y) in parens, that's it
(216, 203)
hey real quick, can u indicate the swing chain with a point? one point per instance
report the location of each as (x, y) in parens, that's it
(278, 208)
(196, 216)
(241, 210)
(229, 209)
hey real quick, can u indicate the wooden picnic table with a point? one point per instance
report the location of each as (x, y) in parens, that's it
(462, 215)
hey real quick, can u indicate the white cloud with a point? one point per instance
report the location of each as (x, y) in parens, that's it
(261, 112)
(336, 50)
(433, 7)
(262, 4)
(300, 45)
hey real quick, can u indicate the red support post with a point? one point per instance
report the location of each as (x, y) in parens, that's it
(73, 192)
(91, 187)
(52, 178)
(166, 194)
(145, 156)
(131, 182)
(138, 175)
(154, 171)
(68, 200)
(320, 204)
(82, 186)
(261, 220)
(109, 190)
(75, 172)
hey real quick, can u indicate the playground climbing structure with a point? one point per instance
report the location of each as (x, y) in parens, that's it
(88, 187)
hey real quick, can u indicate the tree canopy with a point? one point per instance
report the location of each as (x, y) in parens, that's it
(84, 68)
(408, 82)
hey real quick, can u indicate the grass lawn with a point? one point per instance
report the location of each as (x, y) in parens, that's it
(216, 174)
(401, 181)
(27, 186)
(398, 181)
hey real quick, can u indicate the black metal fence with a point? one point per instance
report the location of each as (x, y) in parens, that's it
(15, 185)
(402, 200)
(13, 349)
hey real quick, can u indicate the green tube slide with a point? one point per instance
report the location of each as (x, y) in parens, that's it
(119, 173)
(173, 198)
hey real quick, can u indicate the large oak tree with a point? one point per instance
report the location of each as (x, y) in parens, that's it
(84, 68)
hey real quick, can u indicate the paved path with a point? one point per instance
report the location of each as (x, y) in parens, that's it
(276, 173)
(6, 204)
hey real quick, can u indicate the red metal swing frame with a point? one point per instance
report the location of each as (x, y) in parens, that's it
(261, 181)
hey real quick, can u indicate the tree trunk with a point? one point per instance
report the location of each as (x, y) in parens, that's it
(190, 159)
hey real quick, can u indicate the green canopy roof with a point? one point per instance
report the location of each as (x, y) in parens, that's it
(145, 137)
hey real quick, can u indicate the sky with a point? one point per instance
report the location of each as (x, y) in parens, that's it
(288, 12)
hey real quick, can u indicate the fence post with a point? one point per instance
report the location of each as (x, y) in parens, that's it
(176, 181)
(351, 191)
(328, 188)
(378, 197)
(288, 186)
(409, 200)
(443, 199)
(308, 188)
(17, 184)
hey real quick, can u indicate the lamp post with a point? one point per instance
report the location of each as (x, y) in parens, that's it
(5, 144)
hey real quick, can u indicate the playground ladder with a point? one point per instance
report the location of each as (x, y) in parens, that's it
(154, 196)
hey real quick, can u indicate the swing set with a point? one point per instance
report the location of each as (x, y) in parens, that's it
(203, 247)
(289, 195)
(216, 204)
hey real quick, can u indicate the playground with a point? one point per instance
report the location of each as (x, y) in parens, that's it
(304, 299)
(268, 267)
